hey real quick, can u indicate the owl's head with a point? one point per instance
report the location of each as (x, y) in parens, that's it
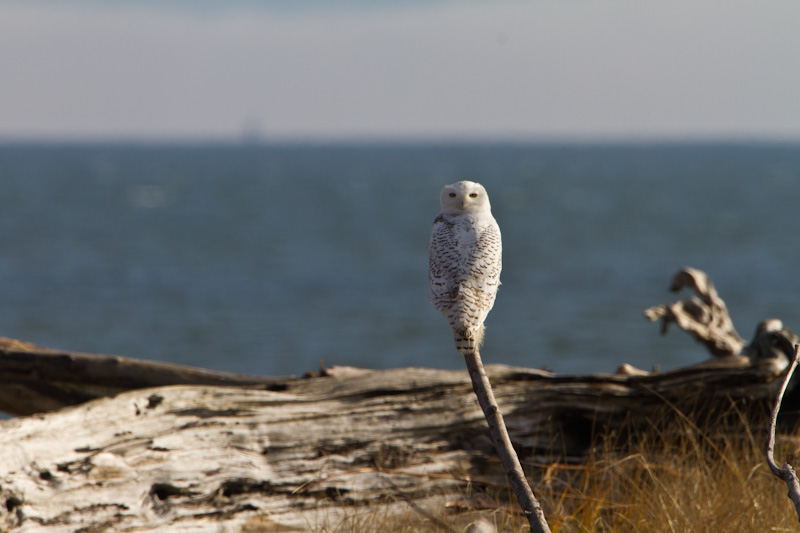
(465, 197)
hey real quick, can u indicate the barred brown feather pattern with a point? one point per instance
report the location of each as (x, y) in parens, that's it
(465, 264)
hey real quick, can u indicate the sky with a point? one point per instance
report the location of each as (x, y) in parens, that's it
(371, 70)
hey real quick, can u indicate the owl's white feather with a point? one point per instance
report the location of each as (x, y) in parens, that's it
(465, 261)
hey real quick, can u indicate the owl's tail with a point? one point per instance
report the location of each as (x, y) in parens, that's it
(468, 340)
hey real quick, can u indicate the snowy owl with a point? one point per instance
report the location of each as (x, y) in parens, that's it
(465, 262)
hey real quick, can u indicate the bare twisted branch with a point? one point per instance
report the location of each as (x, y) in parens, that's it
(787, 473)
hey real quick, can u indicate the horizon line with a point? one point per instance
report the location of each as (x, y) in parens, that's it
(389, 140)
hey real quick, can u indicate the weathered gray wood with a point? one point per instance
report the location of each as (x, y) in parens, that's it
(202, 456)
(272, 454)
(35, 379)
(704, 316)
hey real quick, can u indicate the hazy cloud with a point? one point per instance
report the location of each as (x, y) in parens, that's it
(542, 68)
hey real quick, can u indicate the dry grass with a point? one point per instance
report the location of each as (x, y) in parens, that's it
(680, 480)
(698, 482)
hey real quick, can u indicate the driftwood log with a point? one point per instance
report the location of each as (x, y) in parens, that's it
(140, 445)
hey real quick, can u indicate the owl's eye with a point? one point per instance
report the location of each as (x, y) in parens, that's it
(473, 195)
(452, 195)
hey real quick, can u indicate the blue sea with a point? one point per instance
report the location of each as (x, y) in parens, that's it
(274, 259)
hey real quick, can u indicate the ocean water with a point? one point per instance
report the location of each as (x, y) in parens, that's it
(271, 259)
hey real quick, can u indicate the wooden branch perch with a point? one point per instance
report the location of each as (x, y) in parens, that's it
(502, 443)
